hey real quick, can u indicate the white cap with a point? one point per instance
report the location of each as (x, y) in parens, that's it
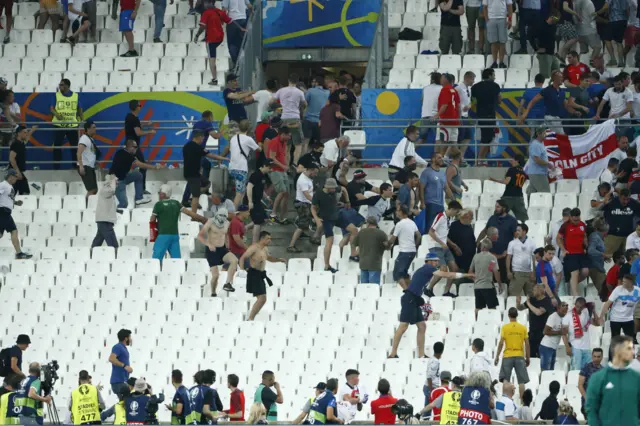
(166, 190)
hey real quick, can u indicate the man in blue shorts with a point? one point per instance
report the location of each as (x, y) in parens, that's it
(411, 301)
(349, 220)
(128, 13)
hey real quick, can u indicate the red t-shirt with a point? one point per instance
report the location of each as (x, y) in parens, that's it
(449, 97)
(433, 396)
(260, 128)
(280, 149)
(573, 237)
(381, 410)
(236, 227)
(236, 405)
(612, 276)
(573, 72)
(212, 20)
(127, 4)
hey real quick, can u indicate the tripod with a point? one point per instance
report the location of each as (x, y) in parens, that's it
(53, 412)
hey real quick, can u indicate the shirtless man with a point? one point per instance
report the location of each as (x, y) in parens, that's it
(214, 235)
(258, 255)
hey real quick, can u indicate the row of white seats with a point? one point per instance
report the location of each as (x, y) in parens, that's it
(140, 81)
(73, 66)
(40, 50)
(88, 229)
(60, 189)
(28, 9)
(512, 77)
(539, 199)
(142, 22)
(408, 57)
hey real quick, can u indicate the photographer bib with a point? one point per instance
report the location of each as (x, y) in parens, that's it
(85, 406)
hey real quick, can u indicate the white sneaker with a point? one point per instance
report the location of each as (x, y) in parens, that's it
(144, 200)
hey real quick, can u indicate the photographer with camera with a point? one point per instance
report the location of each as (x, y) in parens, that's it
(181, 405)
(29, 400)
(205, 402)
(404, 411)
(8, 414)
(119, 359)
(448, 402)
(86, 402)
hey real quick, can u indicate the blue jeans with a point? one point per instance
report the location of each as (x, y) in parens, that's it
(427, 396)
(159, 7)
(372, 277)
(117, 388)
(547, 358)
(164, 243)
(206, 171)
(580, 358)
(134, 177)
(234, 38)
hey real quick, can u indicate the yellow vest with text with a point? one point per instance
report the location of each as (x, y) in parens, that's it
(120, 414)
(450, 408)
(85, 407)
(67, 106)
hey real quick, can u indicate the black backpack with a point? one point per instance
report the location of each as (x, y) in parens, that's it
(5, 362)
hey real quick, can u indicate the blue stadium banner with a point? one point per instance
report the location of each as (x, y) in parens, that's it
(182, 107)
(395, 109)
(319, 23)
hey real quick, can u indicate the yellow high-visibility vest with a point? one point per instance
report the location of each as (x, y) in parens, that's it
(450, 408)
(67, 106)
(85, 407)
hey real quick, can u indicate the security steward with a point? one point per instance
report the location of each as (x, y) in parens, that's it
(66, 109)
(448, 402)
(8, 413)
(135, 405)
(205, 402)
(28, 401)
(86, 402)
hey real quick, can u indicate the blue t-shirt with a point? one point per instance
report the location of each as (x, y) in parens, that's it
(537, 149)
(204, 125)
(319, 407)
(506, 225)
(635, 270)
(235, 107)
(544, 269)
(421, 278)
(433, 182)
(316, 98)
(404, 195)
(119, 374)
(538, 109)
(554, 101)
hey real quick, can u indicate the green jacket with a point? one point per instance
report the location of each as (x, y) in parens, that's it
(612, 397)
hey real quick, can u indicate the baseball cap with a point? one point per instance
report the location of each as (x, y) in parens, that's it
(166, 190)
(84, 375)
(141, 385)
(431, 256)
(9, 173)
(321, 386)
(231, 77)
(243, 208)
(359, 174)
(131, 381)
(445, 375)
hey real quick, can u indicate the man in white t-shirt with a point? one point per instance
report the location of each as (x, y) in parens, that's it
(78, 20)
(577, 340)
(622, 302)
(439, 243)
(620, 100)
(430, 96)
(633, 240)
(351, 393)
(521, 262)
(506, 408)
(7, 201)
(263, 97)
(293, 104)
(240, 147)
(335, 150)
(304, 195)
(408, 236)
(87, 151)
(553, 331)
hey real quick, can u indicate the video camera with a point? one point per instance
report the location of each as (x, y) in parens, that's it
(49, 373)
(402, 409)
(152, 408)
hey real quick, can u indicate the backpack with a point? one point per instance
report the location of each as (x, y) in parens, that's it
(5, 362)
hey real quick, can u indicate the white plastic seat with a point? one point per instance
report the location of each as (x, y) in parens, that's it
(400, 76)
(120, 78)
(77, 80)
(167, 78)
(14, 50)
(125, 64)
(565, 200)
(407, 47)
(41, 36)
(178, 50)
(45, 216)
(24, 23)
(85, 50)
(51, 202)
(27, 79)
(153, 50)
(98, 79)
(538, 212)
(450, 61)
(520, 61)
(79, 64)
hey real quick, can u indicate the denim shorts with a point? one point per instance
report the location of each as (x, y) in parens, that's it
(402, 265)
